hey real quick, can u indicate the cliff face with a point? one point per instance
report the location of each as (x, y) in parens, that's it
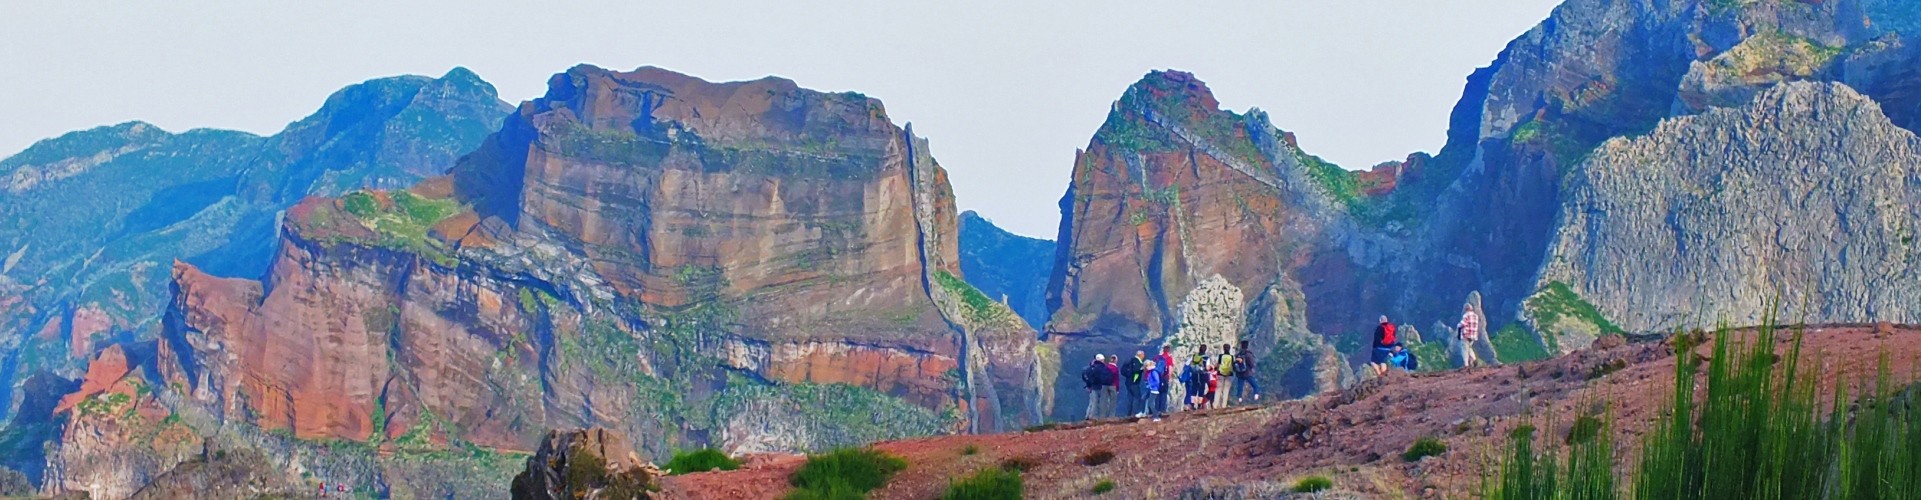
(1805, 196)
(1007, 267)
(747, 265)
(1598, 69)
(90, 221)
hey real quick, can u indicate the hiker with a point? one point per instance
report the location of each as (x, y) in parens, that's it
(1224, 366)
(1400, 357)
(1470, 331)
(1213, 388)
(1131, 377)
(1166, 362)
(1244, 375)
(1383, 342)
(1113, 386)
(1194, 379)
(1095, 378)
(1156, 401)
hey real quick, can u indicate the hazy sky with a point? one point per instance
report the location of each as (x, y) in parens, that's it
(1006, 91)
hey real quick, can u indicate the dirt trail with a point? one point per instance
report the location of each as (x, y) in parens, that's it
(1355, 437)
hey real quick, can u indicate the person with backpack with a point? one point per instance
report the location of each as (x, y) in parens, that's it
(1383, 343)
(1400, 357)
(1095, 378)
(1131, 378)
(1194, 379)
(1156, 381)
(1244, 375)
(1223, 364)
(1470, 331)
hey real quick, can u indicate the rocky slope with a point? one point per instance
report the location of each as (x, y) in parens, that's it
(746, 265)
(586, 463)
(1355, 437)
(1007, 267)
(90, 221)
(1806, 197)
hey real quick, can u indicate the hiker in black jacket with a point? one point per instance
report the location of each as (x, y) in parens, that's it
(1244, 375)
(1097, 377)
(1131, 379)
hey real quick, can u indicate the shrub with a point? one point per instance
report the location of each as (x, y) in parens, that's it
(1104, 486)
(1424, 447)
(1097, 457)
(997, 483)
(701, 460)
(844, 473)
(1311, 484)
(970, 449)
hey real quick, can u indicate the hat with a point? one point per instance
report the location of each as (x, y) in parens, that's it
(1098, 357)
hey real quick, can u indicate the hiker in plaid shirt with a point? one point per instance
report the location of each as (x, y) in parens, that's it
(1470, 329)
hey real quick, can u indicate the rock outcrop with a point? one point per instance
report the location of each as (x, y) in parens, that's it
(586, 464)
(1804, 198)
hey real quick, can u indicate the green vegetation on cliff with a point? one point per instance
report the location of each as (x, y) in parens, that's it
(1556, 309)
(980, 308)
(1513, 344)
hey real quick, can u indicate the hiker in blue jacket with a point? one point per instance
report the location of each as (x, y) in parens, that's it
(1156, 402)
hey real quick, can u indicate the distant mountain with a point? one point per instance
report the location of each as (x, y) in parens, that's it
(1006, 266)
(91, 221)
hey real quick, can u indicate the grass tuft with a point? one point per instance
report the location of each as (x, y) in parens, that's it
(702, 460)
(1106, 485)
(1312, 484)
(994, 483)
(844, 473)
(1427, 446)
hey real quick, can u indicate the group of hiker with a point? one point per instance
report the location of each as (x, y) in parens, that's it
(1139, 386)
(1389, 352)
(1147, 382)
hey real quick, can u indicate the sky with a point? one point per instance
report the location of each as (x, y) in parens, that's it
(1005, 91)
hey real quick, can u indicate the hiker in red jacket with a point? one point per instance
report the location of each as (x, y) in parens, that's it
(1383, 342)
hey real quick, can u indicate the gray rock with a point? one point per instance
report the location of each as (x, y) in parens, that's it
(1806, 197)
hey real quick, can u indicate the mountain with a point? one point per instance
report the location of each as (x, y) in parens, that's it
(1603, 175)
(1188, 225)
(91, 220)
(747, 265)
(1529, 124)
(1007, 266)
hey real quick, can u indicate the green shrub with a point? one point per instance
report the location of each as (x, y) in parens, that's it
(843, 473)
(702, 460)
(1424, 447)
(1104, 486)
(1311, 484)
(994, 483)
(360, 204)
(970, 450)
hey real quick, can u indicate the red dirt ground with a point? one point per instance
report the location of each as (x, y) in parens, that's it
(1355, 437)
